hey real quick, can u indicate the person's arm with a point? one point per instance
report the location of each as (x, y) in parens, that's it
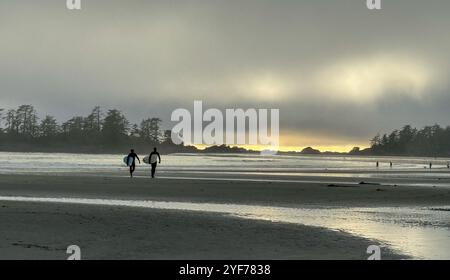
(138, 159)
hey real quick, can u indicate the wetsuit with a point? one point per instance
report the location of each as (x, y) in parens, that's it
(133, 164)
(154, 157)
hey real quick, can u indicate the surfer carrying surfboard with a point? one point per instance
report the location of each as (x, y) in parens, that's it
(154, 158)
(131, 160)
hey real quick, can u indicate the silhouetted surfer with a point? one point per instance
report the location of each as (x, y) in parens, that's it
(153, 159)
(134, 156)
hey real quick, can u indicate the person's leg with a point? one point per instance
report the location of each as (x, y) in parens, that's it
(132, 168)
(153, 169)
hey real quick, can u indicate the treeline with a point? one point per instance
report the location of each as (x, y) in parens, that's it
(99, 132)
(429, 141)
(111, 132)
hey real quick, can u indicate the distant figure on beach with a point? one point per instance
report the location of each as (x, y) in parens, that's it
(431, 165)
(390, 164)
(154, 159)
(448, 164)
(378, 164)
(134, 156)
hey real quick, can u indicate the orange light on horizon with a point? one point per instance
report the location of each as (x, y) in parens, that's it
(328, 148)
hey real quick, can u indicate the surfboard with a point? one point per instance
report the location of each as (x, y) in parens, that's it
(153, 158)
(146, 160)
(130, 161)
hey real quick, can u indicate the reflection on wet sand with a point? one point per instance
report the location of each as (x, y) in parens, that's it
(417, 232)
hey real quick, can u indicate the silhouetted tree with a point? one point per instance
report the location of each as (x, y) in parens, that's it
(49, 127)
(12, 124)
(20, 130)
(73, 130)
(167, 137)
(428, 141)
(27, 121)
(93, 122)
(1, 120)
(115, 127)
(150, 130)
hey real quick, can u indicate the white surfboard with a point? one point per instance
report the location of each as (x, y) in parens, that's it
(154, 158)
(146, 160)
(130, 161)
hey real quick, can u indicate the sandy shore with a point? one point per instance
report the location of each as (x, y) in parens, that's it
(44, 230)
(223, 191)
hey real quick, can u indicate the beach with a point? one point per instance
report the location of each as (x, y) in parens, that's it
(44, 231)
(235, 190)
(221, 215)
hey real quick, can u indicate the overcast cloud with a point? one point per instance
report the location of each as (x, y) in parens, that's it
(339, 72)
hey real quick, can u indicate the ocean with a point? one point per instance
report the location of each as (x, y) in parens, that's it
(11, 162)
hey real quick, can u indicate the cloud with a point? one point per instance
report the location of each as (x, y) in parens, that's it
(372, 77)
(338, 72)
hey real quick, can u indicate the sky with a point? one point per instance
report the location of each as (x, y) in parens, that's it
(339, 72)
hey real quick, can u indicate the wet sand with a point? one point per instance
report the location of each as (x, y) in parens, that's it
(291, 194)
(44, 230)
